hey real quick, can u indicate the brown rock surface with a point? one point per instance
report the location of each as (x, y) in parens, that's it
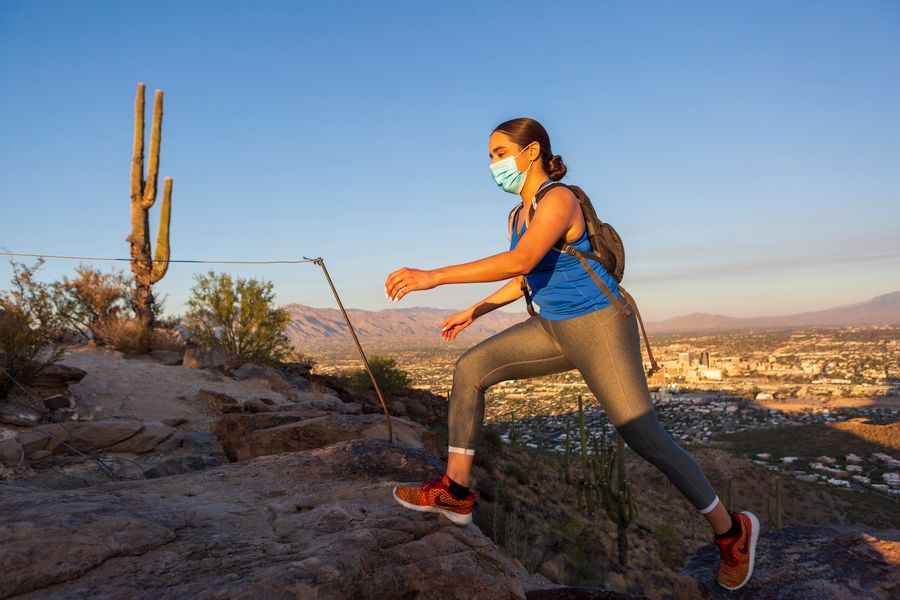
(806, 563)
(328, 429)
(315, 524)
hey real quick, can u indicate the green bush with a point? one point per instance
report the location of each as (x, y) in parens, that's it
(239, 316)
(517, 472)
(33, 333)
(490, 439)
(443, 435)
(389, 377)
(671, 546)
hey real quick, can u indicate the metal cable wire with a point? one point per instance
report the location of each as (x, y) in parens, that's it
(236, 262)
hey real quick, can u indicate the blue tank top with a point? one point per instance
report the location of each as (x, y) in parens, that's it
(560, 286)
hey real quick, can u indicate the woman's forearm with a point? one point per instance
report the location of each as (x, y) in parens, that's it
(508, 293)
(493, 268)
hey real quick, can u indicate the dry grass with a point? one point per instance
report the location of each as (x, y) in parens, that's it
(123, 333)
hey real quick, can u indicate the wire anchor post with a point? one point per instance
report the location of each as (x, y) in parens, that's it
(387, 416)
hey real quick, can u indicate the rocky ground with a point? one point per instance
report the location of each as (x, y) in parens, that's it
(816, 562)
(177, 476)
(198, 479)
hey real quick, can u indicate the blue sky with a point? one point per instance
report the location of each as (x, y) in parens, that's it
(747, 152)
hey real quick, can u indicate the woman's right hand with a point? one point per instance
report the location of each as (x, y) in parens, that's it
(455, 323)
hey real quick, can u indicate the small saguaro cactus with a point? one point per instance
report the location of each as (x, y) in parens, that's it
(779, 523)
(148, 269)
(567, 453)
(619, 499)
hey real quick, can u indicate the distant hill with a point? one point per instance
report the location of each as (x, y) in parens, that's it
(878, 310)
(311, 324)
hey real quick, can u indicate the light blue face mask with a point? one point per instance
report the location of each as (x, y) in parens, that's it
(508, 176)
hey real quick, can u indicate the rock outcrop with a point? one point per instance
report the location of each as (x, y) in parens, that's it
(247, 435)
(315, 524)
(806, 563)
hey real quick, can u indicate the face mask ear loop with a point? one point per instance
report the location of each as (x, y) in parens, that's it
(526, 172)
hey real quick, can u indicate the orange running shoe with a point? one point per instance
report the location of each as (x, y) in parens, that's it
(736, 554)
(434, 496)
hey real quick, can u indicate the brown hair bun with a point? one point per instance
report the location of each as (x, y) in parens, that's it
(557, 167)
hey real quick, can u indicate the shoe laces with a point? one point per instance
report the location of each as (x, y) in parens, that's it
(431, 483)
(726, 554)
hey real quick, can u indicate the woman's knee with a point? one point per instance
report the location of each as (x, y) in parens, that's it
(646, 436)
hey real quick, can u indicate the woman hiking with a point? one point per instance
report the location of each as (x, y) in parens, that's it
(577, 328)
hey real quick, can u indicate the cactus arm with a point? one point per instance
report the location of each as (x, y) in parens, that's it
(153, 160)
(161, 258)
(137, 158)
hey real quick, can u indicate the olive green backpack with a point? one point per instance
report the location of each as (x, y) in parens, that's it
(606, 247)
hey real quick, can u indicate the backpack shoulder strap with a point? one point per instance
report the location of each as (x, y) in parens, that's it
(540, 194)
(654, 366)
(509, 220)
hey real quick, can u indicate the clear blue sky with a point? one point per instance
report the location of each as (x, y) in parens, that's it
(748, 152)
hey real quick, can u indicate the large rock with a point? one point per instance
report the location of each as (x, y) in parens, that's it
(280, 381)
(14, 413)
(171, 358)
(320, 524)
(58, 402)
(203, 357)
(219, 403)
(328, 429)
(250, 369)
(805, 563)
(244, 436)
(113, 435)
(232, 429)
(53, 375)
(11, 453)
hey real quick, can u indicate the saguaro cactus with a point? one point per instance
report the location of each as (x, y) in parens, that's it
(147, 270)
(619, 499)
(779, 523)
(603, 483)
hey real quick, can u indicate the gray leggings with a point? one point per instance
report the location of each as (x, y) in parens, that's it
(605, 348)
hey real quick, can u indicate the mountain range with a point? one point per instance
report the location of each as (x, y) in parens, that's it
(311, 324)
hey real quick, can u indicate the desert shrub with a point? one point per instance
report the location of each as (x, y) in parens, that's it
(102, 304)
(671, 547)
(238, 315)
(92, 299)
(166, 338)
(490, 439)
(120, 332)
(443, 435)
(33, 334)
(520, 474)
(123, 333)
(299, 357)
(389, 377)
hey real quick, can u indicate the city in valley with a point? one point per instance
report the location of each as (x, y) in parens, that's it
(744, 387)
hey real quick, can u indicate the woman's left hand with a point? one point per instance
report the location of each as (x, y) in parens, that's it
(405, 280)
